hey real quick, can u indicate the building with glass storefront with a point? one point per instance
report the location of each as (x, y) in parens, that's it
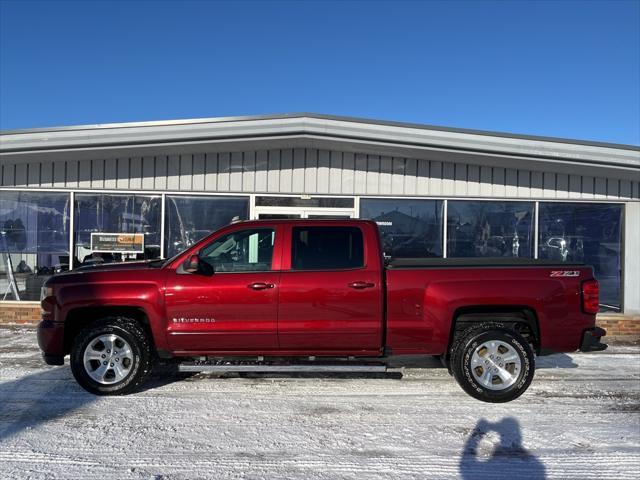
(82, 195)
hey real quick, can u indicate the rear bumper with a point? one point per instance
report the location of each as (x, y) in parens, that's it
(591, 340)
(51, 342)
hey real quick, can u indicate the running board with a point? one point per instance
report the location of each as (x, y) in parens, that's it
(213, 368)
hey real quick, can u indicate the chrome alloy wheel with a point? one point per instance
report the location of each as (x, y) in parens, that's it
(495, 365)
(108, 359)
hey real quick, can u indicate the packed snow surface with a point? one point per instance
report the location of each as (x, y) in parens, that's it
(580, 419)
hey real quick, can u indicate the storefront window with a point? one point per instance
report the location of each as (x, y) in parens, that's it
(585, 232)
(116, 227)
(190, 218)
(408, 228)
(490, 229)
(34, 241)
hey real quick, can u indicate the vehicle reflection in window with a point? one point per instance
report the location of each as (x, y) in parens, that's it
(408, 228)
(585, 232)
(489, 229)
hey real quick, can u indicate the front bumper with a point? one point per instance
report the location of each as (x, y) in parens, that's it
(591, 340)
(51, 342)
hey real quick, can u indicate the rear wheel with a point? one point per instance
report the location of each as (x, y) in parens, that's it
(111, 356)
(492, 363)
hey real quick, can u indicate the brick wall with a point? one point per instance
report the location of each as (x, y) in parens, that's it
(620, 328)
(20, 313)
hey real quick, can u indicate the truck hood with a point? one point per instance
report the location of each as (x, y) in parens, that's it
(117, 266)
(92, 272)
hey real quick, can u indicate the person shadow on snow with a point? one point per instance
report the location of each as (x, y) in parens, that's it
(508, 459)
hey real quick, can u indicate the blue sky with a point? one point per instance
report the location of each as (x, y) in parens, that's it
(566, 69)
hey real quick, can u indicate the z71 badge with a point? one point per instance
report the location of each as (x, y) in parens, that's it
(565, 273)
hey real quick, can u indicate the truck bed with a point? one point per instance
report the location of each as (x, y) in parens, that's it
(424, 296)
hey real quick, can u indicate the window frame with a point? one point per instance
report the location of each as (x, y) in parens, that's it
(99, 197)
(532, 231)
(441, 228)
(172, 263)
(167, 216)
(35, 221)
(622, 242)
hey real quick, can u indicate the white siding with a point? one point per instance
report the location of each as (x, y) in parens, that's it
(313, 171)
(299, 170)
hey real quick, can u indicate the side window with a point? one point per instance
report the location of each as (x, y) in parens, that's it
(241, 251)
(326, 248)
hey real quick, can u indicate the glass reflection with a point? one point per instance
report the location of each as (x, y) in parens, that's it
(34, 241)
(408, 228)
(190, 218)
(585, 232)
(116, 213)
(489, 229)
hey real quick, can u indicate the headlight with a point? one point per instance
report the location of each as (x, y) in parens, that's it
(46, 292)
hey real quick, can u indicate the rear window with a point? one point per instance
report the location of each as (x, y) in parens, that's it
(327, 248)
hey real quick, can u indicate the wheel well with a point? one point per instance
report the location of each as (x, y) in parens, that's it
(79, 318)
(519, 318)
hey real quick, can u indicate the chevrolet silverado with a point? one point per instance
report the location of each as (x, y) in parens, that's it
(316, 295)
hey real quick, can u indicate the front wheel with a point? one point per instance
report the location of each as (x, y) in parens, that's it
(492, 363)
(111, 356)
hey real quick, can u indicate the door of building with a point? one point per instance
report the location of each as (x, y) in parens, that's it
(283, 207)
(285, 213)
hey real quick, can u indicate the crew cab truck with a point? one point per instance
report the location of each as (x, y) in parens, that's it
(290, 295)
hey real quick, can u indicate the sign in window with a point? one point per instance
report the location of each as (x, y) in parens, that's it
(117, 242)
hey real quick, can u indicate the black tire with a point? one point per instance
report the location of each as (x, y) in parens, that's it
(462, 352)
(139, 365)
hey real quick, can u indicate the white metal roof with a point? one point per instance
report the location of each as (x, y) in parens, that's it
(322, 131)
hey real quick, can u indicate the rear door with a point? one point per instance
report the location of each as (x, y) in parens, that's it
(330, 298)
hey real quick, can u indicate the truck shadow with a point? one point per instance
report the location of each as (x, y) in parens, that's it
(46, 396)
(494, 450)
(162, 374)
(167, 372)
(320, 375)
(557, 360)
(38, 398)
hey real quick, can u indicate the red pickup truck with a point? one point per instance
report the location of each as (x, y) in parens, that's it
(292, 295)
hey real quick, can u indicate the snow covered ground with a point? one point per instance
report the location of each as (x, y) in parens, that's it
(580, 419)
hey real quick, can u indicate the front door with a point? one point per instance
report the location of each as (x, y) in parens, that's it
(330, 300)
(234, 309)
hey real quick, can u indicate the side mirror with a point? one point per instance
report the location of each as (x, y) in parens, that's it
(191, 264)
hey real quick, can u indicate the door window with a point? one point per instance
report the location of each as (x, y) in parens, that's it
(327, 248)
(241, 251)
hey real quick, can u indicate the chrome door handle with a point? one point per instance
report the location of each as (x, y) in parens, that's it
(260, 285)
(361, 285)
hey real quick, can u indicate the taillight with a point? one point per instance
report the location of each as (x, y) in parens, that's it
(590, 296)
